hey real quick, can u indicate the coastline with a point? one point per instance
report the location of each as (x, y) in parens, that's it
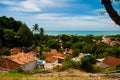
(83, 33)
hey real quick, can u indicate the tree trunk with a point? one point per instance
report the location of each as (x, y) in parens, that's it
(111, 11)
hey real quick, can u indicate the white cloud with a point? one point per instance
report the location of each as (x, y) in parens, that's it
(8, 2)
(33, 5)
(81, 22)
(55, 21)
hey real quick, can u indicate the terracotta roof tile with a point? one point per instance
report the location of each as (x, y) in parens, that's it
(53, 55)
(70, 51)
(111, 61)
(50, 59)
(57, 55)
(15, 50)
(21, 58)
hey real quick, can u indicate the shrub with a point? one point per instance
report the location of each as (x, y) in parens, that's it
(42, 57)
(5, 52)
(97, 69)
(87, 64)
(118, 67)
(69, 63)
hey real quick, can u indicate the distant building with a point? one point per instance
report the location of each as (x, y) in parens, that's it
(53, 58)
(107, 40)
(109, 61)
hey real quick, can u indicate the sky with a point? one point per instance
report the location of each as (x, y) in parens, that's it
(60, 15)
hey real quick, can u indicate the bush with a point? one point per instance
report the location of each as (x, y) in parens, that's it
(118, 67)
(87, 64)
(97, 69)
(5, 52)
(69, 63)
(17, 70)
(42, 57)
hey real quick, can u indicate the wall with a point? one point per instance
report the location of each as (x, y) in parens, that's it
(8, 64)
(29, 66)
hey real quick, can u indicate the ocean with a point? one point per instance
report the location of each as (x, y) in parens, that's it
(83, 33)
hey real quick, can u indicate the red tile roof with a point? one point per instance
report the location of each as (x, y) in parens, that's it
(111, 61)
(53, 55)
(21, 58)
(70, 51)
(50, 59)
(15, 50)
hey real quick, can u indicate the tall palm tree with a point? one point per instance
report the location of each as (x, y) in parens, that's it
(35, 28)
(41, 31)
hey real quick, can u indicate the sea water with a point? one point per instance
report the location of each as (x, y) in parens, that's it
(83, 33)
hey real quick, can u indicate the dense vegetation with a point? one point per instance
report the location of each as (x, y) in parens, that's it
(14, 33)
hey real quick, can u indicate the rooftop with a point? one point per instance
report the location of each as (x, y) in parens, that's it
(21, 58)
(111, 61)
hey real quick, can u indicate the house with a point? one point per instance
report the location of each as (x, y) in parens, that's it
(20, 60)
(80, 56)
(33, 52)
(68, 51)
(109, 41)
(56, 58)
(53, 58)
(100, 63)
(111, 61)
(51, 53)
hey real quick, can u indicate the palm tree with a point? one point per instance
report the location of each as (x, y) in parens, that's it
(114, 15)
(41, 31)
(35, 28)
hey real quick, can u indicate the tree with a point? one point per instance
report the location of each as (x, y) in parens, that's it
(8, 29)
(26, 36)
(41, 31)
(35, 28)
(87, 63)
(111, 11)
(9, 37)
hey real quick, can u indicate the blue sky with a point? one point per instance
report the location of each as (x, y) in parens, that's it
(80, 15)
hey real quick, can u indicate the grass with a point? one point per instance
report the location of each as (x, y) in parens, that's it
(21, 76)
(11, 76)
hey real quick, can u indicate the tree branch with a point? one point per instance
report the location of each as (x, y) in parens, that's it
(111, 11)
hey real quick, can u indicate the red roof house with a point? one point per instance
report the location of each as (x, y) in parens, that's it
(23, 60)
(111, 61)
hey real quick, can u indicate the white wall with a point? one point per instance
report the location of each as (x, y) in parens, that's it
(29, 66)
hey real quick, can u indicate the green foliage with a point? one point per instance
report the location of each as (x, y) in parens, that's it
(17, 70)
(87, 64)
(42, 57)
(8, 28)
(65, 38)
(5, 52)
(41, 31)
(118, 67)
(9, 37)
(52, 43)
(97, 69)
(46, 49)
(26, 36)
(69, 63)
(12, 76)
(35, 28)
(76, 52)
